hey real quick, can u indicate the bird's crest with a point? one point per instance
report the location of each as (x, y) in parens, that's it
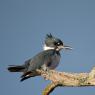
(49, 36)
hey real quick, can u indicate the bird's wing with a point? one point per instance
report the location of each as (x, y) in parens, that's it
(37, 61)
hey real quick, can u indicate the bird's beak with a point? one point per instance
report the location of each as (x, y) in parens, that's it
(67, 47)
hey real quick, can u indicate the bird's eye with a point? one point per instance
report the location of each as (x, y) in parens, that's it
(58, 43)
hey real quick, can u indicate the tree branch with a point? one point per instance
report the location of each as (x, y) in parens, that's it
(67, 79)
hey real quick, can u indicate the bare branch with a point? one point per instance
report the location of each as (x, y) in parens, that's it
(67, 79)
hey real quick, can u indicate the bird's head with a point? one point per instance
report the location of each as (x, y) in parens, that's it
(52, 42)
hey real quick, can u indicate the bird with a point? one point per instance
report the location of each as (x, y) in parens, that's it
(48, 59)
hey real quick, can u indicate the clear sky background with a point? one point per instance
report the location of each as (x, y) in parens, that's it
(23, 26)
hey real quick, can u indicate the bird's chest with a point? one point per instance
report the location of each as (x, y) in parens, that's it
(54, 61)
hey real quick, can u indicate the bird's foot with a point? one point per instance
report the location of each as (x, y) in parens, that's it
(45, 72)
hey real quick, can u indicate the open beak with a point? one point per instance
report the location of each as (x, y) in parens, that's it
(67, 47)
(64, 47)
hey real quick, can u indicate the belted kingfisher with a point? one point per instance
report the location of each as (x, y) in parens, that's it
(47, 59)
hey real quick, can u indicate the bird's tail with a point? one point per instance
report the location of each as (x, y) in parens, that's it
(29, 74)
(14, 68)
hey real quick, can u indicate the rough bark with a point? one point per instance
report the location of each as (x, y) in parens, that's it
(67, 79)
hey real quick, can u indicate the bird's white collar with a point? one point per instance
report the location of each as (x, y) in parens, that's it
(47, 48)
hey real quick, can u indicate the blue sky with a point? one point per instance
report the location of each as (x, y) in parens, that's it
(23, 26)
